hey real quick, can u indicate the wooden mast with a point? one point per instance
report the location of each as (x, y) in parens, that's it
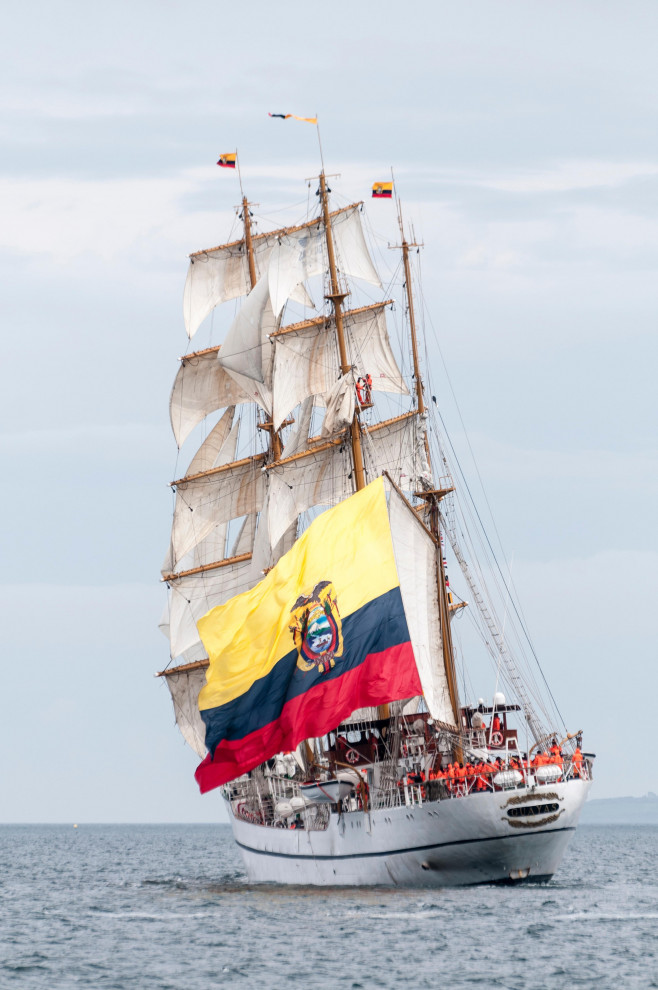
(276, 446)
(337, 297)
(246, 219)
(444, 613)
(420, 398)
(412, 316)
(432, 497)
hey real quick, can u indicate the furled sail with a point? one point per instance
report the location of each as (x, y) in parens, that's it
(184, 686)
(340, 401)
(298, 438)
(247, 337)
(322, 475)
(306, 357)
(246, 353)
(266, 552)
(297, 258)
(219, 446)
(315, 477)
(222, 273)
(201, 386)
(244, 541)
(194, 595)
(393, 446)
(216, 496)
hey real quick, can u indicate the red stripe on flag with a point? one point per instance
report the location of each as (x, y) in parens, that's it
(391, 674)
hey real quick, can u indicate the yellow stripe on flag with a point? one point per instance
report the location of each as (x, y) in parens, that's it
(349, 545)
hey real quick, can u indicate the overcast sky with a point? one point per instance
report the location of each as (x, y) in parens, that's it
(524, 140)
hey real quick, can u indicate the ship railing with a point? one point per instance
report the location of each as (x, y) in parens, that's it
(476, 738)
(241, 789)
(258, 806)
(283, 788)
(413, 794)
(529, 778)
(386, 797)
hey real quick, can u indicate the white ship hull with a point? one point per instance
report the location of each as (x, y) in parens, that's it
(467, 840)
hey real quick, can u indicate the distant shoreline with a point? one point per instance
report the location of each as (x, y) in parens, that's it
(621, 811)
(598, 811)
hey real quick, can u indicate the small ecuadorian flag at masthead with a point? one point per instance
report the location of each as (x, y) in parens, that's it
(227, 161)
(382, 190)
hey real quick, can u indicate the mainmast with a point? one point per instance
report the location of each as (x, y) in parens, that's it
(276, 447)
(434, 496)
(337, 296)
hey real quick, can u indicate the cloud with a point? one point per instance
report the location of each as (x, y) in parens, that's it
(567, 175)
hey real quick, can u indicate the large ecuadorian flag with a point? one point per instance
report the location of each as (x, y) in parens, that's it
(324, 633)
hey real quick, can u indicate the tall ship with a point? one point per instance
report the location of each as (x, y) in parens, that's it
(312, 627)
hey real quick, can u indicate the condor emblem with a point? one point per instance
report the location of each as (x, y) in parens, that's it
(316, 629)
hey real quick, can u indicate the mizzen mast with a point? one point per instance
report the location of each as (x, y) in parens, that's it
(412, 323)
(412, 316)
(337, 296)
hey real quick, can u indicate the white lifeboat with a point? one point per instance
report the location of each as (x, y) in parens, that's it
(548, 773)
(507, 778)
(325, 791)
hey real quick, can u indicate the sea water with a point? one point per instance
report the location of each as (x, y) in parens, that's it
(167, 907)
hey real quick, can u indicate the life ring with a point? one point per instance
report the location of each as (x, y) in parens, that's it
(352, 756)
(497, 739)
